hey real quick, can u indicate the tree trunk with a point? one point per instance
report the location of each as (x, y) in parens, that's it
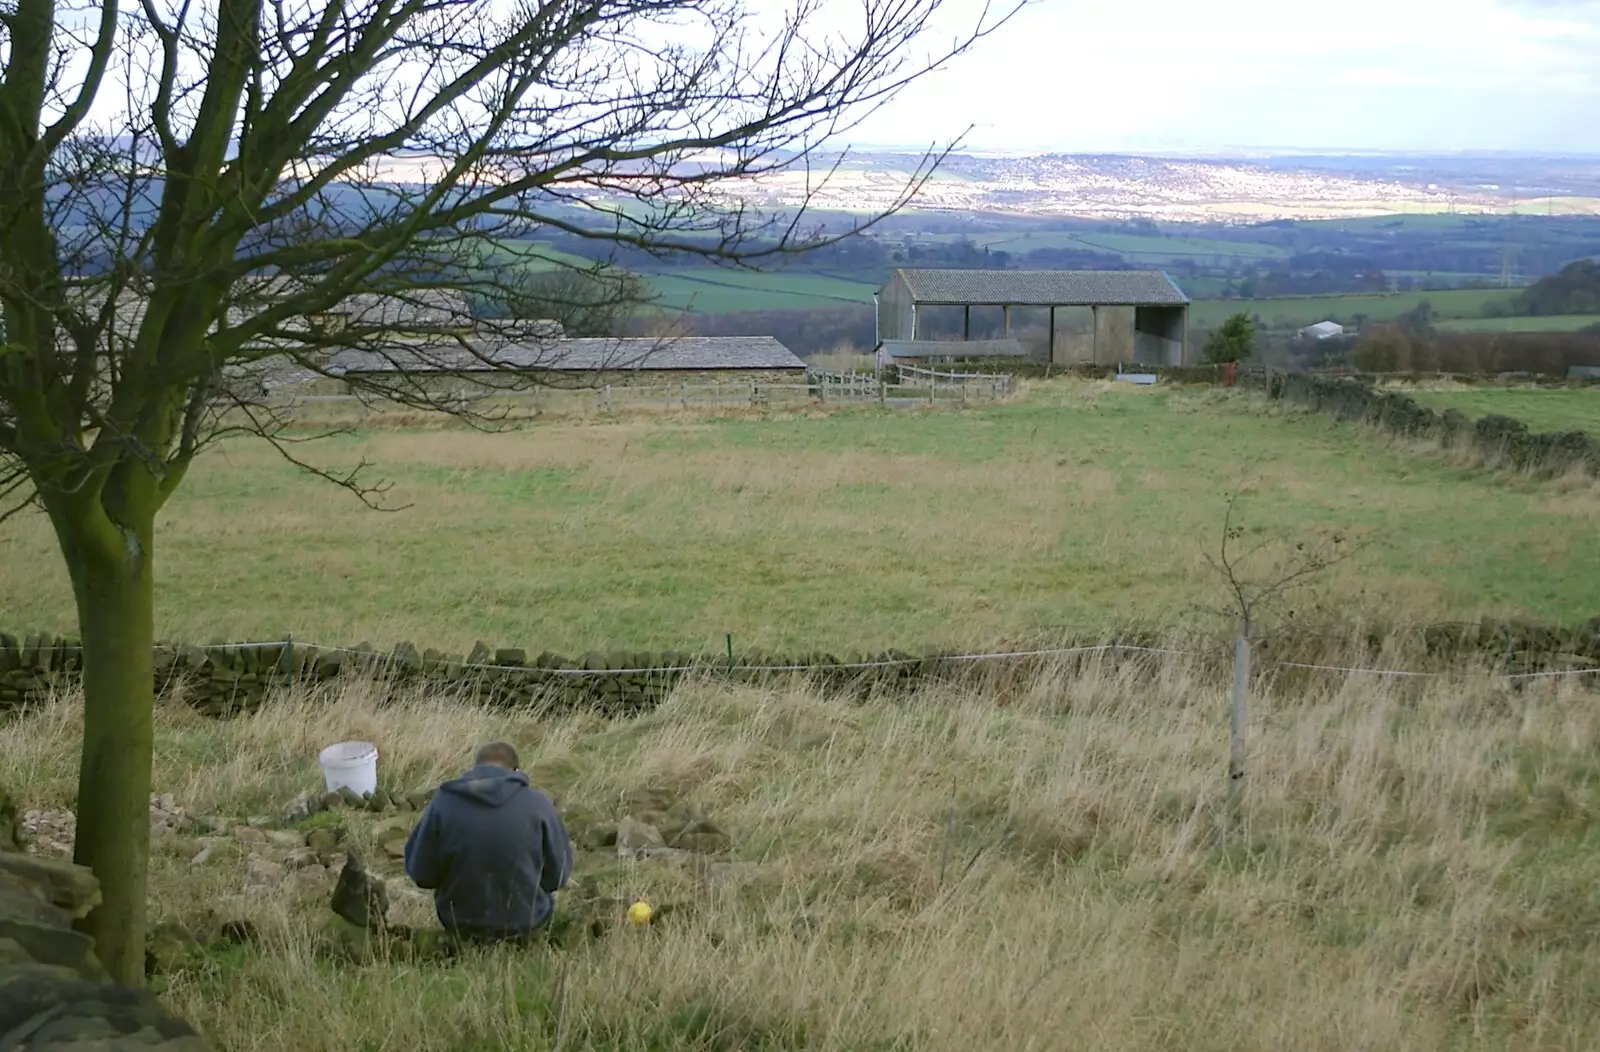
(116, 618)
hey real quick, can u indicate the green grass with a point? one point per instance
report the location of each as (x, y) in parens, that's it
(1085, 506)
(1530, 323)
(719, 290)
(1143, 247)
(1135, 247)
(1542, 409)
(1295, 311)
(530, 255)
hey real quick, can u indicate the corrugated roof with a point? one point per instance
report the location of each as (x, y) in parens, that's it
(1006, 348)
(1044, 288)
(684, 352)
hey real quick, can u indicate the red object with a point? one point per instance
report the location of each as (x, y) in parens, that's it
(1229, 370)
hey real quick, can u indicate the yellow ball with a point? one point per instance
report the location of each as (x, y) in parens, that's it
(639, 913)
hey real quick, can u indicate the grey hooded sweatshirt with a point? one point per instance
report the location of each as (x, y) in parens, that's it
(493, 851)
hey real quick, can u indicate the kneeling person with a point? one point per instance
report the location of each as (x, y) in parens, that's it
(491, 849)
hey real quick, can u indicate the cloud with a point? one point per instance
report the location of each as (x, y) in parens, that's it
(1105, 74)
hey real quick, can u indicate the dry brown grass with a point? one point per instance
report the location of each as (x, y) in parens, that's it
(1417, 871)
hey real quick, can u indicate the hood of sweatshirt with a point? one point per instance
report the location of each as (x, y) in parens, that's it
(487, 784)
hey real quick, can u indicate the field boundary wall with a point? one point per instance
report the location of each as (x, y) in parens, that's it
(1499, 439)
(221, 679)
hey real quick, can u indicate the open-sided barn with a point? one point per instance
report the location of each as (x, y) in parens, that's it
(1159, 310)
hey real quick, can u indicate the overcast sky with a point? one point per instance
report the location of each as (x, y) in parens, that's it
(1162, 75)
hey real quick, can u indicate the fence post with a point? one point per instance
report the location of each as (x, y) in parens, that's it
(933, 384)
(1236, 719)
(883, 392)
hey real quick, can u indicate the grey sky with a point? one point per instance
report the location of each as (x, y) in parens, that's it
(1424, 75)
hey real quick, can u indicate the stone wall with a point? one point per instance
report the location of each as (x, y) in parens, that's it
(1170, 374)
(53, 993)
(1500, 439)
(584, 381)
(221, 680)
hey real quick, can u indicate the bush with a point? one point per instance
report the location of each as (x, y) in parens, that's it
(1382, 349)
(1233, 341)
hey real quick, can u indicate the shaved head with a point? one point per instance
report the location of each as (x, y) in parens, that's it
(500, 754)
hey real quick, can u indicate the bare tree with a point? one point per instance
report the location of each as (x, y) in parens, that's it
(584, 302)
(192, 197)
(1257, 573)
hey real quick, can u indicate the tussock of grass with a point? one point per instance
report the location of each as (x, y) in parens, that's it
(1039, 869)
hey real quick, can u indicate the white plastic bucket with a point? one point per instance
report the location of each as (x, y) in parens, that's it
(353, 764)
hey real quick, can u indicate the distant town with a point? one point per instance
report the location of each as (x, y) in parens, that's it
(1198, 190)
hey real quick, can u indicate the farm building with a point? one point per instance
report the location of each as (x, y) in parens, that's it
(1160, 310)
(1322, 330)
(742, 358)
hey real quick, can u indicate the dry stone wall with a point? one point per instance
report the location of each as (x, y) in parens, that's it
(1498, 438)
(53, 993)
(221, 679)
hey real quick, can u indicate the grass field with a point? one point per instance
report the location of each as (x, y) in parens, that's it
(1417, 871)
(1135, 247)
(1086, 505)
(1531, 323)
(1295, 311)
(530, 255)
(1542, 409)
(1144, 248)
(1414, 865)
(719, 290)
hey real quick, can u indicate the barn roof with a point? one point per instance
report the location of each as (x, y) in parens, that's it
(1043, 288)
(1007, 348)
(678, 353)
